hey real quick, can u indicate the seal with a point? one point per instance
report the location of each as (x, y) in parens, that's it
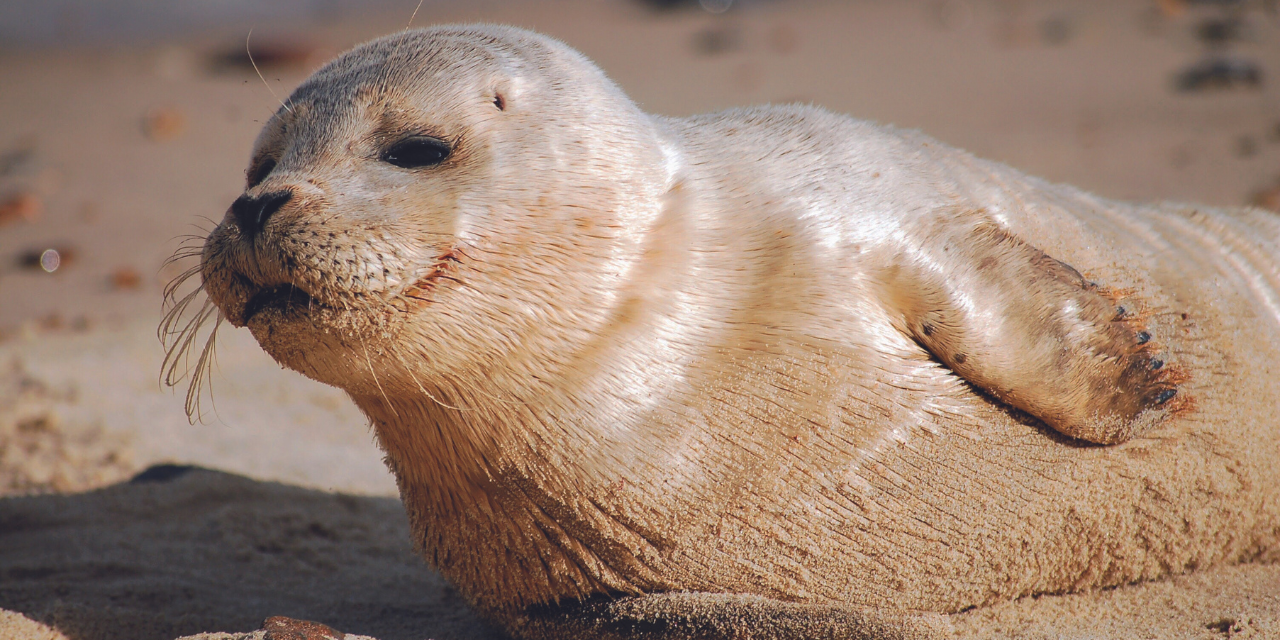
(770, 371)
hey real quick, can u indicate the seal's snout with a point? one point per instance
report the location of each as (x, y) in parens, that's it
(252, 212)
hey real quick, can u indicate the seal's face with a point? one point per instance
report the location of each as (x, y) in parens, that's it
(347, 221)
(408, 195)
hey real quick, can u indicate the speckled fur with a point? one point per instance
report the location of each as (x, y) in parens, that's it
(771, 371)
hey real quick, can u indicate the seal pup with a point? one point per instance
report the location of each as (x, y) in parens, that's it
(770, 371)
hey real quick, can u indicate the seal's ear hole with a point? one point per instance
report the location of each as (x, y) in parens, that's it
(499, 101)
(260, 172)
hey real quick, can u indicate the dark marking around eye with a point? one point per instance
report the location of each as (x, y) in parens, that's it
(260, 172)
(417, 151)
(499, 102)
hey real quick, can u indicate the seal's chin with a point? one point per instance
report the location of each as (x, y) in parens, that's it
(286, 299)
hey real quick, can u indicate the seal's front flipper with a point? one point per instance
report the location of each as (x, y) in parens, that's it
(719, 616)
(1025, 328)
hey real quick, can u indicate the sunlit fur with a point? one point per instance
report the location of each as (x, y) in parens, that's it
(774, 356)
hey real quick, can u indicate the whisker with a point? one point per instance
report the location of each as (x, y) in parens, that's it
(416, 381)
(171, 291)
(413, 15)
(203, 375)
(264, 80)
(395, 52)
(394, 351)
(174, 369)
(369, 361)
(179, 256)
(186, 315)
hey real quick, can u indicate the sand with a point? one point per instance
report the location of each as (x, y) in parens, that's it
(110, 155)
(183, 550)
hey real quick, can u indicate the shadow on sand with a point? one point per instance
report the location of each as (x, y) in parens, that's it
(183, 550)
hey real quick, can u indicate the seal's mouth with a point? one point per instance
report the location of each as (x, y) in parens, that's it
(284, 298)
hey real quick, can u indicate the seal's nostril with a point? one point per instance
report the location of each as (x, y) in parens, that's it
(252, 213)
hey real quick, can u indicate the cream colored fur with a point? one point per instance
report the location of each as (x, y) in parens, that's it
(772, 369)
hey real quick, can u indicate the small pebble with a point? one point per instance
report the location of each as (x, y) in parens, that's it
(48, 259)
(23, 206)
(716, 40)
(164, 123)
(266, 55)
(1172, 8)
(1218, 32)
(1220, 73)
(125, 278)
(1246, 147)
(1057, 30)
(1268, 198)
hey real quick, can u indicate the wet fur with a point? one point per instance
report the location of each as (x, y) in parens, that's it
(770, 367)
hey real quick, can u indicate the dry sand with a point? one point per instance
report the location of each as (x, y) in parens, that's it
(110, 155)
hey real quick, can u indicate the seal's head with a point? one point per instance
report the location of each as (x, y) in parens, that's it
(436, 197)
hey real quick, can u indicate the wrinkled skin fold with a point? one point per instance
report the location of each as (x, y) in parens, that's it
(772, 369)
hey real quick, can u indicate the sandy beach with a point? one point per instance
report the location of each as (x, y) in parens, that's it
(276, 501)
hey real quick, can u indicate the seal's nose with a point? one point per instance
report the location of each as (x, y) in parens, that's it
(252, 212)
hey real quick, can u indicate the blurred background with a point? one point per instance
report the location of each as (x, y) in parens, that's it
(125, 126)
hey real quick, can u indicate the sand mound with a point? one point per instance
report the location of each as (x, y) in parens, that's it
(182, 550)
(40, 452)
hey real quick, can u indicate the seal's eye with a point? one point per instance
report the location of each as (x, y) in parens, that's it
(260, 172)
(417, 151)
